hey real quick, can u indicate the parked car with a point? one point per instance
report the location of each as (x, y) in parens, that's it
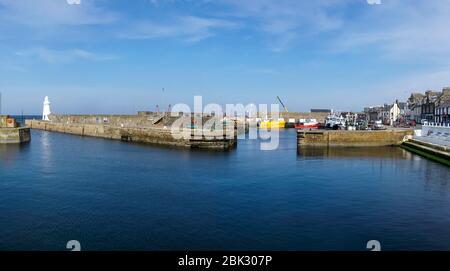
(378, 125)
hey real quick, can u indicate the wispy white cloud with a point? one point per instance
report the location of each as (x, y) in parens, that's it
(396, 27)
(64, 56)
(35, 22)
(400, 29)
(188, 28)
(53, 12)
(286, 23)
(282, 22)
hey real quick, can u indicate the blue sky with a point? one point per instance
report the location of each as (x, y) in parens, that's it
(115, 56)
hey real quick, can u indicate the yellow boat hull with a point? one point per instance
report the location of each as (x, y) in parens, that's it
(272, 124)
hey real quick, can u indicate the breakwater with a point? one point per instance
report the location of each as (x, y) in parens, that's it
(427, 150)
(432, 142)
(14, 135)
(338, 138)
(319, 116)
(11, 133)
(151, 129)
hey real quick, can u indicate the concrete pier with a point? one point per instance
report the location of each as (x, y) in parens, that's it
(151, 129)
(431, 151)
(10, 133)
(432, 142)
(339, 138)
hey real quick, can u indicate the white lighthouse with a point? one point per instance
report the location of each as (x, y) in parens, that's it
(46, 112)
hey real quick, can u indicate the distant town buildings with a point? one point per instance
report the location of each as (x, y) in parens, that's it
(373, 113)
(387, 113)
(442, 113)
(442, 107)
(415, 106)
(430, 106)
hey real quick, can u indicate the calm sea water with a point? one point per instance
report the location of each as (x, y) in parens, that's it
(115, 196)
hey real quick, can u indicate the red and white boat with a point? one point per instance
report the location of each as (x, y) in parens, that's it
(307, 124)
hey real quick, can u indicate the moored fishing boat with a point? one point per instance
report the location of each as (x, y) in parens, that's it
(335, 121)
(269, 124)
(307, 124)
(290, 123)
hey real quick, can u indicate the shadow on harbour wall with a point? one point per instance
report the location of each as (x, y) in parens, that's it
(353, 152)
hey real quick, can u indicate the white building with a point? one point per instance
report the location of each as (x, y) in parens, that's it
(390, 113)
(394, 113)
(46, 111)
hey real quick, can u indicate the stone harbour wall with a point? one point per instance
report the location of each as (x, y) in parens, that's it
(325, 138)
(14, 135)
(319, 116)
(114, 120)
(152, 135)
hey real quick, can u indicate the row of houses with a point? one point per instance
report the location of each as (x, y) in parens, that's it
(387, 113)
(432, 106)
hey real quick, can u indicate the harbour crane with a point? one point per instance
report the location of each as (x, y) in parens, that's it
(282, 104)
